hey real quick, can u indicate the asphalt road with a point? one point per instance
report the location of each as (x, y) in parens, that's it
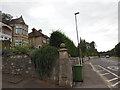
(108, 69)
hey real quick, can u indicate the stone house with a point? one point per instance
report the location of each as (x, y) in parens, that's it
(37, 38)
(19, 31)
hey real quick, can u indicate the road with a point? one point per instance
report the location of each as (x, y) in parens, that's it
(108, 70)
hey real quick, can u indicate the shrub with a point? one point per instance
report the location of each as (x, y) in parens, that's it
(58, 37)
(15, 51)
(21, 50)
(44, 59)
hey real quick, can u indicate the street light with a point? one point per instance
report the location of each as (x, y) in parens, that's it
(76, 26)
(77, 37)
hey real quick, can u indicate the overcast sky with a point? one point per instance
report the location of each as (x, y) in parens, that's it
(97, 21)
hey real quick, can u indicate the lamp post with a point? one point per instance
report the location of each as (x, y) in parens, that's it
(77, 37)
(76, 26)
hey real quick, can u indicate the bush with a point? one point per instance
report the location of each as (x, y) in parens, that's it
(21, 50)
(58, 37)
(44, 59)
(15, 51)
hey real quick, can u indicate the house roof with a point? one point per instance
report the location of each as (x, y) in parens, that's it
(17, 21)
(5, 21)
(36, 33)
(14, 21)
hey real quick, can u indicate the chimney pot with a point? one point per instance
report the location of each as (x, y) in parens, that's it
(40, 30)
(33, 29)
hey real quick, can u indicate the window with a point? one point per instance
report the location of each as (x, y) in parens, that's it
(21, 30)
(44, 40)
(5, 37)
(47, 41)
(24, 32)
(18, 26)
(18, 31)
(18, 42)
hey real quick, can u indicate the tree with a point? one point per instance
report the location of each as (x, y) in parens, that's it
(57, 37)
(113, 52)
(6, 16)
(93, 50)
(117, 50)
(88, 49)
(83, 47)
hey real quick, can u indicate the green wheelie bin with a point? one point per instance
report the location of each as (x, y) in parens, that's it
(77, 73)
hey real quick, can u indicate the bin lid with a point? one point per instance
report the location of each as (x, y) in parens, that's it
(78, 65)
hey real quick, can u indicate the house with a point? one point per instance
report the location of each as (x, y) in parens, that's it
(19, 32)
(37, 38)
(5, 34)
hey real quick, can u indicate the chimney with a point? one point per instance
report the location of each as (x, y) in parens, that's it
(40, 30)
(33, 29)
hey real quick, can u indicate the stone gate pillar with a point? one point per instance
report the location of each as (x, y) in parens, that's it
(65, 67)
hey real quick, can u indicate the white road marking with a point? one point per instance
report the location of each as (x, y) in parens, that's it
(115, 84)
(112, 79)
(114, 68)
(92, 67)
(109, 71)
(100, 70)
(105, 74)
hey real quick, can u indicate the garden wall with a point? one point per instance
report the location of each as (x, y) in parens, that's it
(18, 65)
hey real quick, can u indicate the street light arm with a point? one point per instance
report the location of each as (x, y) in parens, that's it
(76, 13)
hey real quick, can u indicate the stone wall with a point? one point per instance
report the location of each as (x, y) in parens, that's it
(62, 73)
(18, 65)
(55, 73)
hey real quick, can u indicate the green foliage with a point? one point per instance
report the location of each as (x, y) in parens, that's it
(6, 16)
(58, 37)
(117, 50)
(44, 59)
(16, 50)
(21, 50)
(83, 47)
(113, 52)
(87, 49)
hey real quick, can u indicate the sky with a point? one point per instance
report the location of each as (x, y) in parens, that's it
(97, 20)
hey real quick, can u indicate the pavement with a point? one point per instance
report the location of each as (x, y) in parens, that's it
(28, 83)
(90, 77)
